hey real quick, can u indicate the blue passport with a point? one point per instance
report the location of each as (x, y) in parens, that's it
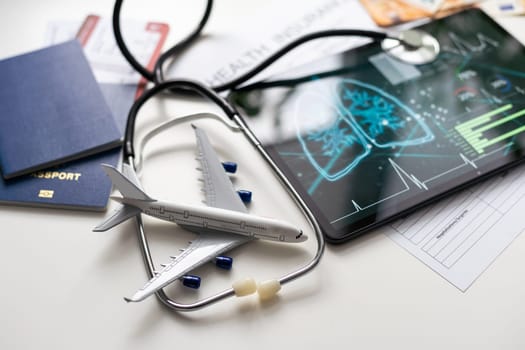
(51, 110)
(80, 184)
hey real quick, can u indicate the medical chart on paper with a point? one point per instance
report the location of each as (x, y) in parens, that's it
(460, 236)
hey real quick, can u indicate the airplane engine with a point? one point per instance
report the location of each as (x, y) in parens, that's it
(191, 281)
(246, 196)
(224, 262)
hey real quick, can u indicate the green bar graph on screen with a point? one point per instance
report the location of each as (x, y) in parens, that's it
(473, 130)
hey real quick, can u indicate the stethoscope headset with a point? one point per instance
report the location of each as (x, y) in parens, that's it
(405, 46)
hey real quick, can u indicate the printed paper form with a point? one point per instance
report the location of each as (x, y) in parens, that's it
(232, 50)
(460, 236)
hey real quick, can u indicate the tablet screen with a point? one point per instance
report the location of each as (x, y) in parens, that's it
(366, 138)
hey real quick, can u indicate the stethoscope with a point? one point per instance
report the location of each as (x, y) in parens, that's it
(412, 47)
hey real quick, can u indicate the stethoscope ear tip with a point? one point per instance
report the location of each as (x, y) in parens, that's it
(266, 290)
(245, 286)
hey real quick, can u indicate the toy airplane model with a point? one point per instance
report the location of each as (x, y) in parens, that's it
(221, 226)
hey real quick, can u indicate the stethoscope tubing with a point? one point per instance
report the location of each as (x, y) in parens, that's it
(211, 93)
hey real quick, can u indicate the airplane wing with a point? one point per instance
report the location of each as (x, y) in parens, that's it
(219, 193)
(203, 249)
(217, 185)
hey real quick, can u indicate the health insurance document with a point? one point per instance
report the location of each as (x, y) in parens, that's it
(232, 48)
(461, 235)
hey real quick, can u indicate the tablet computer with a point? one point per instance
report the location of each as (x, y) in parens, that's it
(366, 139)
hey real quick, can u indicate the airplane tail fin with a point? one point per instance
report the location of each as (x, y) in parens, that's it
(129, 188)
(128, 185)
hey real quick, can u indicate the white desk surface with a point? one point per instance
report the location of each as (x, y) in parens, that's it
(62, 285)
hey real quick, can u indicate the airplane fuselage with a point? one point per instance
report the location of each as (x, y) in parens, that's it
(220, 220)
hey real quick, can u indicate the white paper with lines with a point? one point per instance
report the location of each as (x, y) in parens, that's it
(460, 236)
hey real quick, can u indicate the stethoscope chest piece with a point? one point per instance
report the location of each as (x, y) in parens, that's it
(412, 46)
